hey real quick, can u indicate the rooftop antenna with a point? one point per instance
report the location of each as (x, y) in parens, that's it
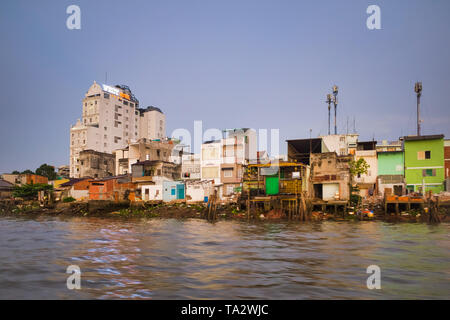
(354, 125)
(329, 100)
(106, 77)
(335, 93)
(347, 125)
(418, 90)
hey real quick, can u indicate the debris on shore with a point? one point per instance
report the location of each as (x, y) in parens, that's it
(127, 209)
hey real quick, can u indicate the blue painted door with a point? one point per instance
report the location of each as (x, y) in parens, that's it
(180, 191)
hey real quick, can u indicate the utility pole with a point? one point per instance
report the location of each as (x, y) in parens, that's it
(335, 93)
(329, 99)
(310, 142)
(418, 90)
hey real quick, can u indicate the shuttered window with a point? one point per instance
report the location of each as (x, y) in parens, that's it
(429, 173)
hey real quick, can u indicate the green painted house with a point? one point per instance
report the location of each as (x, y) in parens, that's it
(424, 163)
(391, 171)
(391, 163)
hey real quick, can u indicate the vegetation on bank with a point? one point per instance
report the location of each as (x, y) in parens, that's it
(30, 191)
(183, 211)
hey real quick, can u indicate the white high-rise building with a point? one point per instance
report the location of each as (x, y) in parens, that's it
(111, 119)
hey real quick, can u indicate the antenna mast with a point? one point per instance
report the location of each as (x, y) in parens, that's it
(418, 90)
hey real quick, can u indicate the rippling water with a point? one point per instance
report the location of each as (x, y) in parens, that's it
(184, 259)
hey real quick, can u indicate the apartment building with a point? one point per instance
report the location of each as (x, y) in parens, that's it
(111, 119)
(211, 160)
(190, 166)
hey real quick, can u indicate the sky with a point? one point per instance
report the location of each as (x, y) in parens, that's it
(231, 64)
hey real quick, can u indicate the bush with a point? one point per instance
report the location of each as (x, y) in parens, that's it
(30, 191)
(69, 199)
(355, 199)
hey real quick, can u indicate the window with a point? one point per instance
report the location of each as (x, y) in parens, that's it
(429, 172)
(228, 173)
(106, 128)
(172, 191)
(106, 95)
(423, 155)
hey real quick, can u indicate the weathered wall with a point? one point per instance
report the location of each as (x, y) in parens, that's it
(96, 164)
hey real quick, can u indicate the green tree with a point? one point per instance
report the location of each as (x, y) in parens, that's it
(15, 172)
(46, 171)
(356, 168)
(30, 191)
(27, 171)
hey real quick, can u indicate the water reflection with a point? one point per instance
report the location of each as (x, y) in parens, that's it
(173, 259)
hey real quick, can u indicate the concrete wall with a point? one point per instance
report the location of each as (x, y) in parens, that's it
(391, 163)
(342, 144)
(196, 192)
(96, 164)
(79, 194)
(152, 192)
(370, 156)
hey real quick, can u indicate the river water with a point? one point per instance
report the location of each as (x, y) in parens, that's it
(195, 259)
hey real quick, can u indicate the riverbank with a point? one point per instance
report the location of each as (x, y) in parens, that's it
(131, 210)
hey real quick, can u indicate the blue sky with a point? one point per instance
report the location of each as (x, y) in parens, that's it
(261, 64)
